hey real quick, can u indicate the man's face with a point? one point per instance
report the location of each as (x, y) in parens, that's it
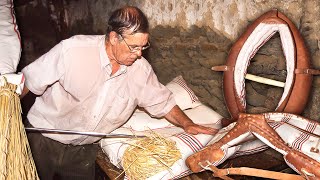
(129, 47)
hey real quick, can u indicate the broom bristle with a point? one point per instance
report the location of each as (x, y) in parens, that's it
(16, 160)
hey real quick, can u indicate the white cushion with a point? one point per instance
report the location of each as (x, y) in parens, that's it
(141, 121)
(201, 114)
(183, 95)
(204, 115)
(186, 143)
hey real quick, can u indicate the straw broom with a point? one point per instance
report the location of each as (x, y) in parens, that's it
(16, 162)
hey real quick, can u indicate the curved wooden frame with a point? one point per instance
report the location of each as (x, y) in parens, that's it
(299, 74)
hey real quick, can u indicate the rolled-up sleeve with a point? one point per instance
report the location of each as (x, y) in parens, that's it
(153, 96)
(45, 71)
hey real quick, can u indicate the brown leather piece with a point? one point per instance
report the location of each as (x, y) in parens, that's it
(296, 101)
(219, 173)
(254, 123)
(304, 164)
(225, 122)
(222, 68)
(222, 173)
(211, 153)
(307, 71)
(302, 84)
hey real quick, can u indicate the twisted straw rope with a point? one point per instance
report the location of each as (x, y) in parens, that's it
(149, 156)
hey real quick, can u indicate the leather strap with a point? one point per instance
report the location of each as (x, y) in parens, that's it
(215, 171)
(222, 173)
(297, 71)
(223, 68)
(307, 71)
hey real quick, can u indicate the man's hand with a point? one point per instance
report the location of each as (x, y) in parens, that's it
(17, 79)
(177, 117)
(198, 129)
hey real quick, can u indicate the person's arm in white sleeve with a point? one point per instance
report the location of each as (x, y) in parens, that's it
(45, 71)
(10, 46)
(10, 43)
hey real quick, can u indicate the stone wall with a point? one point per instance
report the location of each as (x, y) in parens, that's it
(188, 38)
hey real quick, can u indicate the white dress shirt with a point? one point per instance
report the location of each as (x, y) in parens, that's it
(77, 92)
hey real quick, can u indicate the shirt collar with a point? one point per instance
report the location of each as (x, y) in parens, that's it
(105, 61)
(103, 53)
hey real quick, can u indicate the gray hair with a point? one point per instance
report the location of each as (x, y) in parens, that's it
(128, 18)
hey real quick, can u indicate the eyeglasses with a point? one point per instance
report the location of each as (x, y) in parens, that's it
(135, 48)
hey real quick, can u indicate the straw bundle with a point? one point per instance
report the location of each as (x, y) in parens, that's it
(16, 162)
(148, 156)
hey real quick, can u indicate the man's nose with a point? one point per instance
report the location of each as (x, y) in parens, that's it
(139, 52)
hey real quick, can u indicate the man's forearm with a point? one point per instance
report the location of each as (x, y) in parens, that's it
(177, 117)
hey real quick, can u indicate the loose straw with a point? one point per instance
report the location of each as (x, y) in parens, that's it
(149, 156)
(16, 162)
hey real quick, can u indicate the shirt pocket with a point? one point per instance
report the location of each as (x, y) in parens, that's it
(121, 108)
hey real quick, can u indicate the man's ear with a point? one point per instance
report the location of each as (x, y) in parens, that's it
(113, 38)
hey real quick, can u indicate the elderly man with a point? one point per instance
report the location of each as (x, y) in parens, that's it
(93, 83)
